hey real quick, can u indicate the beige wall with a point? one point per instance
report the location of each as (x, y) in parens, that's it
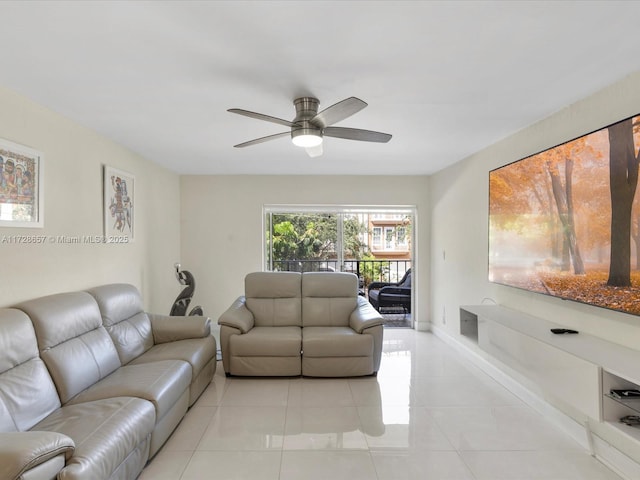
(73, 160)
(222, 224)
(459, 202)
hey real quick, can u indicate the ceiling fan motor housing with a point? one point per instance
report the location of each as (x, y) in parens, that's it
(306, 109)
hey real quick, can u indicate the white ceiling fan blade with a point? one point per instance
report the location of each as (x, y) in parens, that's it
(314, 151)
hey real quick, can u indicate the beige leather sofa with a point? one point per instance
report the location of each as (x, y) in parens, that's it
(91, 386)
(313, 324)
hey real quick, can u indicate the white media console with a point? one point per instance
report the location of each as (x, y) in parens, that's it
(575, 370)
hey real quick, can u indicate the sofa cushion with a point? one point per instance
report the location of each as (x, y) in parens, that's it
(274, 298)
(267, 342)
(162, 383)
(335, 342)
(17, 339)
(73, 343)
(124, 318)
(328, 298)
(105, 432)
(28, 394)
(197, 352)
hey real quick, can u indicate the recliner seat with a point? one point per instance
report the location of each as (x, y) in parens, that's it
(312, 324)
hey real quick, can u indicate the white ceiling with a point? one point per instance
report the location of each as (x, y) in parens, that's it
(445, 78)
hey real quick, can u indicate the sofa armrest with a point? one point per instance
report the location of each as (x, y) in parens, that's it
(238, 316)
(171, 328)
(22, 451)
(395, 291)
(364, 316)
(378, 285)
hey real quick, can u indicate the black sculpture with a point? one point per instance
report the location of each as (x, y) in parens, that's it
(182, 301)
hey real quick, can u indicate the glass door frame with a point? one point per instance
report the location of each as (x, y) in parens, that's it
(340, 211)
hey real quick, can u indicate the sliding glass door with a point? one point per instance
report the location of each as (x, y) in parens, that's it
(375, 243)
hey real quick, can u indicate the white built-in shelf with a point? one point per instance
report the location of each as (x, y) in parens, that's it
(616, 359)
(600, 365)
(615, 408)
(632, 404)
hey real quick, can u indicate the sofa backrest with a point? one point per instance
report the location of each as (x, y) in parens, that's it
(124, 318)
(405, 281)
(274, 298)
(328, 298)
(72, 341)
(27, 392)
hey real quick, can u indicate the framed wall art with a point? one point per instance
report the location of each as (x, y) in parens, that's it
(119, 195)
(21, 186)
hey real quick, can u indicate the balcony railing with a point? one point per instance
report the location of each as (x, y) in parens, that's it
(367, 270)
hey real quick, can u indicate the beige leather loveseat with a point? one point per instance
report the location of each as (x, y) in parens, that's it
(312, 324)
(91, 386)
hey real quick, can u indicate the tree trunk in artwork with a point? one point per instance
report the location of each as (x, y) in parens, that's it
(564, 204)
(574, 249)
(556, 239)
(623, 180)
(565, 266)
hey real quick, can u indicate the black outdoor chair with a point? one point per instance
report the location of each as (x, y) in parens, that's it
(387, 294)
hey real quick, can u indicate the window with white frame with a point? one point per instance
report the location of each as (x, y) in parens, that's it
(376, 239)
(401, 237)
(389, 242)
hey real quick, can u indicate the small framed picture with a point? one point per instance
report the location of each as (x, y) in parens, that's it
(119, 201)
(21, 186)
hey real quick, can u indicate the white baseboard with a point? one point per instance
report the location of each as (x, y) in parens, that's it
(617, 461)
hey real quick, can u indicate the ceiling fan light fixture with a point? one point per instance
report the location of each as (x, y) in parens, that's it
(306, 137)
(307, 140)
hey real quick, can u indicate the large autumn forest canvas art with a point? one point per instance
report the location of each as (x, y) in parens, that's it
(566, 221)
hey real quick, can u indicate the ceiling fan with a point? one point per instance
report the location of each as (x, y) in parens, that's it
(309, 127)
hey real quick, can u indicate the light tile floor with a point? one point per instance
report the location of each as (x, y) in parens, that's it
(429, 414)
